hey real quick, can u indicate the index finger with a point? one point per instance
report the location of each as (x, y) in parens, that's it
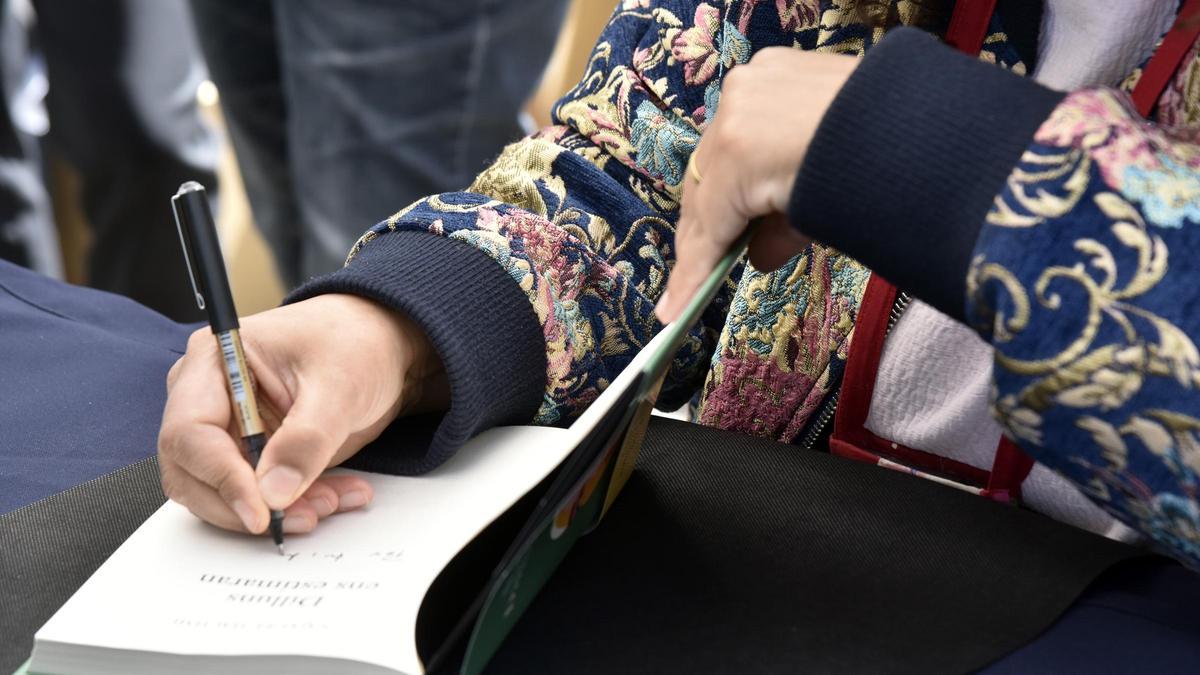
(709, 221)
(194, 438)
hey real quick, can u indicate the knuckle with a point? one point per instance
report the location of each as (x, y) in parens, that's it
(768, 55)
(313, 437)
(173, 373)
(718, 133)
(219, 474)
(169, 435)
(198, 339)
(732, 138)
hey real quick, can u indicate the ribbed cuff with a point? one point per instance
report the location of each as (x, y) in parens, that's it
(479, 321)
(907, 160)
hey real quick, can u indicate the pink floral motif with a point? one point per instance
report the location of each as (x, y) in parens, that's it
(753, 396)
(1104, 123)
(696, 47)
(557, 284)
(796, 15)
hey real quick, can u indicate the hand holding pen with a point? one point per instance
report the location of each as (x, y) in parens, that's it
(206, 269)
(330, 372)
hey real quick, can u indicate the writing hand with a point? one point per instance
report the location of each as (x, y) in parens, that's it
(747, 160)
(331, 373)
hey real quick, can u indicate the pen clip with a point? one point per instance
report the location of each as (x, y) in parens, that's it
(184, 242)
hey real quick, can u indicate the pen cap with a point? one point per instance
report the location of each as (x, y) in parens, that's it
(202, 251)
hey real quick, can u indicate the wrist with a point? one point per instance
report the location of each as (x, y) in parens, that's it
(406, 350)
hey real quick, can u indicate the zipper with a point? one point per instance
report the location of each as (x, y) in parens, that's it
(829, 408)
(898, 307)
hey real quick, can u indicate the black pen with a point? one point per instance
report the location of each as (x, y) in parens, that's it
(206, 270)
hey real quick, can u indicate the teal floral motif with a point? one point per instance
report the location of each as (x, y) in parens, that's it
(1175, 521)
(763, 299)
(735, 48)
(712, 96)
(663, 142)
(1168, 195)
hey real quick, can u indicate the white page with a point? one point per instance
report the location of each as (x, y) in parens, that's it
(351, 589)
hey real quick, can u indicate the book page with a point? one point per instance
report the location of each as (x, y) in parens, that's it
(350, 590)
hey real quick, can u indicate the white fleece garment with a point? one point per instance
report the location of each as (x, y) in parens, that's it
(932, 388)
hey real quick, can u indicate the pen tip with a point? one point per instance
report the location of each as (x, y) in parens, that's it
(280, 547)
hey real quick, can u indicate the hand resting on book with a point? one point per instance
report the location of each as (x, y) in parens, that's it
(330, 373)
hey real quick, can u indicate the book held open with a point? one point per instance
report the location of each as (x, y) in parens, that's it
(181, 596)
(430, 577)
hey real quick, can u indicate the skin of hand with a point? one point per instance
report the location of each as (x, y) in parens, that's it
(748, 158)
(330, 374)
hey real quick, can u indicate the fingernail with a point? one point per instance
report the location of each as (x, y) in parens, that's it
(352, 500)
(297, 524)
(243, 511)
(321, 505)
(279, 485)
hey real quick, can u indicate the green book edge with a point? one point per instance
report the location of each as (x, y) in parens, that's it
(523, 581)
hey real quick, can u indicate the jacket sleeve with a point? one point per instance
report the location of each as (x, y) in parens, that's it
(537, 283)
(1081, 270)
(1085, 280)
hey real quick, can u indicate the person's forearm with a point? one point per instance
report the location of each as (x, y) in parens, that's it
(537, 284)
(1046, 223)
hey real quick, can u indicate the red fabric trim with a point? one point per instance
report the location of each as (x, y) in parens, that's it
(969, 25)
(862, 361)
(1009, 471)
(850, 437)
(1166, 60)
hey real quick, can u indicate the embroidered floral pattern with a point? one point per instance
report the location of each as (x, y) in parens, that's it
(796, 15)
(1180, 103)
(663, 143)
(1105, 390)
(695, 47)
(1168, 194)
(581, 216)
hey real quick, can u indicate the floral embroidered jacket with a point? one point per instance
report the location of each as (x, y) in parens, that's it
(537, 282)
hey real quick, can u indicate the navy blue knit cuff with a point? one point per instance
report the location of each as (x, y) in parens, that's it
(481, 324)
(908, 159)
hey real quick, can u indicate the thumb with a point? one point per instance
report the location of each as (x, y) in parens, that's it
(305, 444)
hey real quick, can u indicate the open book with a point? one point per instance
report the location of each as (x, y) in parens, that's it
(430, 577)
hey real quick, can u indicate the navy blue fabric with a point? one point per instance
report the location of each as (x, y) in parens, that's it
(479, 321)
(1139, 617)
(82, 383)
(904, 166)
